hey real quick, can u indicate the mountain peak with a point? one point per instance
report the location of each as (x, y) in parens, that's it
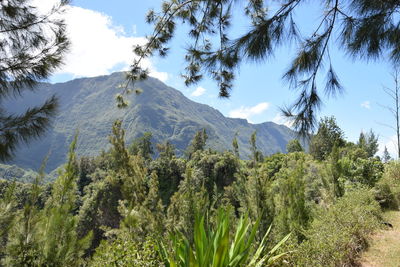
(88, 105)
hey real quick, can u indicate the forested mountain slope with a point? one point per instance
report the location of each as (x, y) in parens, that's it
(88, 105)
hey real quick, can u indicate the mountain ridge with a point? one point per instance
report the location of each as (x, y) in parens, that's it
(88, 104)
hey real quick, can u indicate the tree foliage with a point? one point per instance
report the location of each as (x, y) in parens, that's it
(338, 234)
(198, 143)
(294, 146)
(211, 209)
(328, 135)
(386, 155)
(369, 143)
(363, 29)
(32, 48)
(48, 236)
(143, 147)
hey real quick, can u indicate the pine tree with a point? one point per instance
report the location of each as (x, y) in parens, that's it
(294, 146)
(32, 47)
(7, 217)
(166, 150)
(369, 143)
(235, 146)
(49, 237)
(154, 208)
(328, 135)
(23, 240)
(257, 198)
(292, 212)
(192, 198)
(338, 190)
(119, 153)
(142, 146)
(169, 169)
(363, 28)
(59, 242)
(198, 143)
(256, 155)
(386, 155)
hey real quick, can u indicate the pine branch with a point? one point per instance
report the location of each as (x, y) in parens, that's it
(16, 129)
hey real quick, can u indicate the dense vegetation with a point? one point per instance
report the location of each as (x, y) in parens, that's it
(134, 205)
(13, 172)
(126, 207)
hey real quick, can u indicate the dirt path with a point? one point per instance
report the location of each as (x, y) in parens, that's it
(384, 250)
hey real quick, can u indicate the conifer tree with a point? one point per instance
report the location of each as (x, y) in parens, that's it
(368, 142)
(257, 198)
(49, 237)
(169, 169)
(338, 190)
(154, 208)
(143, 146)
(24, 236)
(192, 198)
(256, 154)
(363, 28)
(292, 215)
(294, 146)
(235, 146)
(198, 143)
(32, 47)
(328, 135)
(166, 150)
(114, 203)
(59, 242)
(119, 153)
(7, 217)
(386, 155)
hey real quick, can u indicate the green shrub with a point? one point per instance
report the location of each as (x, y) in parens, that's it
(338, 234)
(385, 196)
(364, 171)
(125, 252)
(387, 190)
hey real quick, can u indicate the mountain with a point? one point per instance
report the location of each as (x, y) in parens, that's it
(88, 105)
(12, 172)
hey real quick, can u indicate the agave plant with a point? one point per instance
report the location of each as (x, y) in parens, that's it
(216, 248)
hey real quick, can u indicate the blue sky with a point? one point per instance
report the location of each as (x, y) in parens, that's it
(103, 33)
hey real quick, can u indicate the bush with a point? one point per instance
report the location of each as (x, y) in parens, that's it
(338, 234)
(387, 190)
(125, 252)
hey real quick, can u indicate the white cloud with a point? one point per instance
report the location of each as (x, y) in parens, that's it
(280, 119)
(98, 46)
(247, 112)
(198, 92)
(162, 76)
(366, 104)
(45, 6)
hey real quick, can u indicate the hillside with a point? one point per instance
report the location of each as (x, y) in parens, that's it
(88, 105)
(12, 172)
